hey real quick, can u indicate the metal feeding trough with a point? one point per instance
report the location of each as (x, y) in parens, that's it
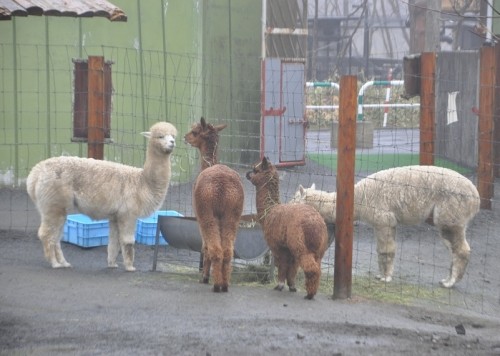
(182, 232)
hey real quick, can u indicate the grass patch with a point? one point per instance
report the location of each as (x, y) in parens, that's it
(378, 162)
(365, 287)
(394, 292)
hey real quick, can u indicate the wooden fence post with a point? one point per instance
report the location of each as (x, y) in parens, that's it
(344, 228)
(96, 109)
(496, 116)
(485, 171)
(427, 107)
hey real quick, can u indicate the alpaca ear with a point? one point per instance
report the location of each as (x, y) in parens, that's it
(146, 134)
(220, 127)
(313, 186)
(264, 163)
(203, 122)
(301, 190)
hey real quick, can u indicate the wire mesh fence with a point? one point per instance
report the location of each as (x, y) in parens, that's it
(179, 88)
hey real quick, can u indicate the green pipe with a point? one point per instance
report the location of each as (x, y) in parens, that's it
(164, 33)
(47, 83)
(322, 84)
(80, 56)
(231, 140)
(141, 69)
(16, 113)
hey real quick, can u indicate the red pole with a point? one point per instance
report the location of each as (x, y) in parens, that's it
(427, 107)
(344, 228)
(485, 172)
(96, 110)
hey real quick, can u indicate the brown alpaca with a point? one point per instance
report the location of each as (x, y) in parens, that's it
(218, 204)
(296, 234)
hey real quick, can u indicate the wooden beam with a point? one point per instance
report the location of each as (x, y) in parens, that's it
(427, 107)
(344, 227)
(96, 109)
(487, 79)
(496, 116)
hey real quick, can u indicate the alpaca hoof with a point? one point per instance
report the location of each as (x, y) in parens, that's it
(384, 279)
(446, 283)
(292, 289)
(309, 296)
(204, 280)
(60, 265)
(217, 289)
(225, 289)
(112, 265)
(130, 269)
(278, 287)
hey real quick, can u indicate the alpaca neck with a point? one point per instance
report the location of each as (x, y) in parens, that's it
(268, 196)
(156, 172)
(208, 155)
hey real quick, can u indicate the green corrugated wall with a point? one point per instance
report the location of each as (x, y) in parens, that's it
(166, 59)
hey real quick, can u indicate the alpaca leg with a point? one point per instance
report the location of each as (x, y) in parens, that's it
(386, 250)
(215, 255)
(312, 272)
(281, 261)
(113, 244)
(127, 242)
(60, 256)
(212, 250)
(50, 234)
(128, 252)
(291, 273)
(227, 266)
(460, 252)
(228, 236)
(205, 276)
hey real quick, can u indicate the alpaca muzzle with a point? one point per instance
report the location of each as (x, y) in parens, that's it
(248, 175)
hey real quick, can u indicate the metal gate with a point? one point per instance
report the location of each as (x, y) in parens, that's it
(283, 111)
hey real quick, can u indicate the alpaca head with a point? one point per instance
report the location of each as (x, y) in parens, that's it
(302, 193)
(203, 135)
(161, 137)
(324, 202)
(263, 174)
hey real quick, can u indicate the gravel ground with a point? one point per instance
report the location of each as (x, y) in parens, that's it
(92, 310)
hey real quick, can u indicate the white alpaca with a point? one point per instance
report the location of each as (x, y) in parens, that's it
(102, 190)
(408, 196)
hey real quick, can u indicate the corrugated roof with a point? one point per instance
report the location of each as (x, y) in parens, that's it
(69, 8)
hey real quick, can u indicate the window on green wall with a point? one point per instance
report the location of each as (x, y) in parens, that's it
(80, 102)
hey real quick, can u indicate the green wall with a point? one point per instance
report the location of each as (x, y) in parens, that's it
(173, 61)
(495, 20)
(231, 59)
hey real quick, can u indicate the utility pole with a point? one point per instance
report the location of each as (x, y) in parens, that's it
(425, 26)
(314, 58)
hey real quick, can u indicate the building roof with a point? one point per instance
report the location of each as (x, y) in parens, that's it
(68, 8)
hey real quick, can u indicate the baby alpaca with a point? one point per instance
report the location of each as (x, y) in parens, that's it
(101, 190)
(218, 203)
(408, 196)
(296, 233)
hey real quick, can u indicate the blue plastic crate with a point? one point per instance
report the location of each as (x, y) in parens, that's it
(82, 231)
(145, 232)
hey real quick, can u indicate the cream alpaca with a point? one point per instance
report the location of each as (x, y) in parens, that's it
(102, 190)
(408, 196)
